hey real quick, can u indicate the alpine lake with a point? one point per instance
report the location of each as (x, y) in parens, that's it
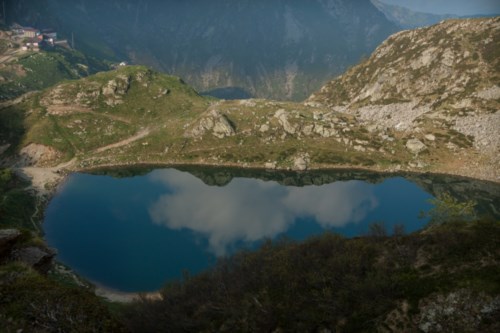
(133, 230)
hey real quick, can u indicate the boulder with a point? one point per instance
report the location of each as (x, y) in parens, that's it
(301, 162)
(415, 146)
(430, 137)
(37, 154)
(308, 130)
(223, 127)
(110, 88)
(38, 258)
(282, 117)
(264, 128)
(8, 237)
(215, 122)
(270, 165)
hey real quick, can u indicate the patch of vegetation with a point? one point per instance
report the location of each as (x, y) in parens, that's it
(31, 302)
(12, 126)
(37, 71)
(327, 282)
(447, 208)
(17, 205)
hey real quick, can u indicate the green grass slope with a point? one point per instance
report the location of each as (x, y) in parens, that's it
(39, 70)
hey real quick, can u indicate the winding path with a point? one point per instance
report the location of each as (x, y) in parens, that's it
(139, 135)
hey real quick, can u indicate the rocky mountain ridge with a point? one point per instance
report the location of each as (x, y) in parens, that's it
(428, 81)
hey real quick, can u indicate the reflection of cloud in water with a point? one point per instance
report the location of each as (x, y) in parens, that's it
(332, 205)
(250, 209)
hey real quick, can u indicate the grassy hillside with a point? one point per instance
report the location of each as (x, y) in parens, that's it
(30, 71)
(134, 115)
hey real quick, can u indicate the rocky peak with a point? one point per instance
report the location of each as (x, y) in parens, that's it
(438, 81)
(446, 62)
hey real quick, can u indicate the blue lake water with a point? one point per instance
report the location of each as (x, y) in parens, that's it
(135, 233)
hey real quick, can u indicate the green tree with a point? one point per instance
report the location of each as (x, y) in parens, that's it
(449, 209)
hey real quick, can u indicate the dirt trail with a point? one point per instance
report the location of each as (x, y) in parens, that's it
(41, 176)
(141, 134)
(59, 110)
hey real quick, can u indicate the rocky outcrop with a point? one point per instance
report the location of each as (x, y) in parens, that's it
(301, 162)
(8, 237)
(12, 249)
(438, 85)
(36, 257)
(459, 311)
(439, 72)
(282, 117)
(415, 146)
(216, 123)
(37, 154)
(115, 89)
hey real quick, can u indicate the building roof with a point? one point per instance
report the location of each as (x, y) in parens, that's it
(30, 29)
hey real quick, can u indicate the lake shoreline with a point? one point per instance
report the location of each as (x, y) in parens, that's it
(47, 181)
(117, 296)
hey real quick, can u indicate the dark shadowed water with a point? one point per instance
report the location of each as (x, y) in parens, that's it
(135, 233)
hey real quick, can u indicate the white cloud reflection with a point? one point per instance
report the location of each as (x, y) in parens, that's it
(249, 209)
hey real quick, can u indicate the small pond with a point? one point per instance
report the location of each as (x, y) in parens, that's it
(131, 233)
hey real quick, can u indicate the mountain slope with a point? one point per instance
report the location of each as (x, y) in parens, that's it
(426, 100)
(407, 18)
(35, 71)
(440, 81)
(279, 49)
(23, 71)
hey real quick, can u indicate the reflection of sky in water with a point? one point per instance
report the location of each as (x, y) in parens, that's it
(134, 233)
(250, 210)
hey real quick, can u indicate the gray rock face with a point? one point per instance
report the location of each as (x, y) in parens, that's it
(415, 146)
(324, 131)
(430, 137)
(282, 117)
(216, 122)
(223, 127)
(459, 311)
(8, 238)
(39, 259)
(264, 128)
(115, 89)
(301, 162)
